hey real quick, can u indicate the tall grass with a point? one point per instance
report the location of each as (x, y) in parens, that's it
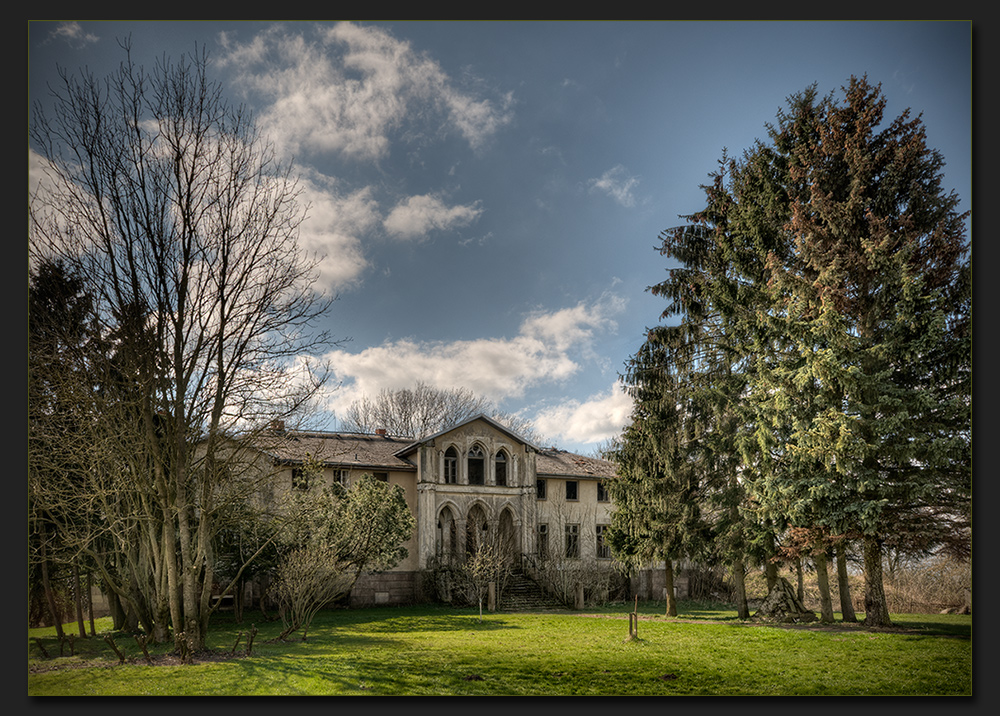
(441, 651)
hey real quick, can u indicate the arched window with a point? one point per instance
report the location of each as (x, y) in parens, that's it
(501, 468)
(477, 466)
(451, 466)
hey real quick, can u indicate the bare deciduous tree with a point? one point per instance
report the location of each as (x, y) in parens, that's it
(424, 410)
(489, 563)
(309, 578)
(170, 206)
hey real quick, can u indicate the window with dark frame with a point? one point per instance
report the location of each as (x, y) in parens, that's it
(572, 541)
(572, 490)
(540, 489)
(381, 476)
(477, 466)
(451, 466)
(543, 541)
(500, 465)
(300, 479)
(602, 493)
(603, 550)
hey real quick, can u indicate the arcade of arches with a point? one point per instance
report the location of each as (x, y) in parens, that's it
(461, 536)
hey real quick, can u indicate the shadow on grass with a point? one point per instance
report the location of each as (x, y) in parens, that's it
(391, 619)
(959, 626)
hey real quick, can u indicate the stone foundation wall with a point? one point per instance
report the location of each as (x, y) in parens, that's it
(388, 588)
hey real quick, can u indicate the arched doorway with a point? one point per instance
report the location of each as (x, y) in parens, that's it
(476, 530)
(507, 536)
(447, 542)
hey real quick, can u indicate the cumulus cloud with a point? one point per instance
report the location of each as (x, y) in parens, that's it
(618, 184)
(599, 418)
(333, 227)
(418, 215)
(547, 349)
(347, 89)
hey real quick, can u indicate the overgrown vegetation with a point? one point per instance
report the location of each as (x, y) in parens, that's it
(333, 536)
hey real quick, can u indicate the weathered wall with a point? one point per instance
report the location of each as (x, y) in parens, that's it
(389, 588)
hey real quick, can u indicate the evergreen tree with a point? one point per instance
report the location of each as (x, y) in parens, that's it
(855, 309)
(61, 344)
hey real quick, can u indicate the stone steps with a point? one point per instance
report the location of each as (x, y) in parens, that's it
(524, 594)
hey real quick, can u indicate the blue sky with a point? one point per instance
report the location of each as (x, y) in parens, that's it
(489, 195)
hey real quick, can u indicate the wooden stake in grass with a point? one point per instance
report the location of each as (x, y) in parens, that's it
(41, 647)
(111, 643)
(236, 643)
(250, 637)
(633, 622)
(140, 639)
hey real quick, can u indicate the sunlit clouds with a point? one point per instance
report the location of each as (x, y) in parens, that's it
(418, 215)
(350, 89)
(550, 349)
(357, 93)
(594, 420)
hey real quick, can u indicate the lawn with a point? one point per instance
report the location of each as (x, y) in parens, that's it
(446, 651)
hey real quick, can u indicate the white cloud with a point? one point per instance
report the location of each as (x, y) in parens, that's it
(347, 89)
(599, 418)
(418, 215)
(73, 34)
(333, 227)
(546, 350)
(618, 184)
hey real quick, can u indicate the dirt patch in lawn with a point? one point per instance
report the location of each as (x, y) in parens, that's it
(58, 664)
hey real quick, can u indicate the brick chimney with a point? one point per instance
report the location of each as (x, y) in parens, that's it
(380, 432)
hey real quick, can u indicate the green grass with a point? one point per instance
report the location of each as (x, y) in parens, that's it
(445, 651)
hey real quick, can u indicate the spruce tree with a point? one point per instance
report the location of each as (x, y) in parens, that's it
(859, 341)
(816, 372)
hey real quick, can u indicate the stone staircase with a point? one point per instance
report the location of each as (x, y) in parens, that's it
(523, 594)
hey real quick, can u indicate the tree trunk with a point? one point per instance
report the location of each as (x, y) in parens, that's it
(844, 586)
(78, 601)
(50, 597)
(238, 594)
(823, 579)
(770, 568)
(740, 587)
(117, 610)
(668, 588)
(876, 609)
(90, 602)
(771, 573)
(801, 593)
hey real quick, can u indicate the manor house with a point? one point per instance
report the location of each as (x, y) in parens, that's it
(462, 484)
